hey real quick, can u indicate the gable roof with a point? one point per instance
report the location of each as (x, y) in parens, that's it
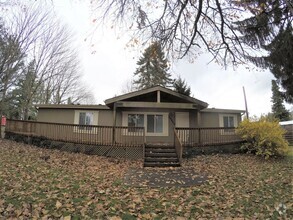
(145, 93)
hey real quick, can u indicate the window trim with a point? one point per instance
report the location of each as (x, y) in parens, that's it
(221, 122)
(76, 120)
(165, 122)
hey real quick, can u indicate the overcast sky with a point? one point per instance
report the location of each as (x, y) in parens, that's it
(108, 65)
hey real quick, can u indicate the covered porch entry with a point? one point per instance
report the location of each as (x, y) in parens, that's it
(159, 111)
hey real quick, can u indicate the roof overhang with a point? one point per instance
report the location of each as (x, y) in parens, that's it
(71, 106)
(156, 105)
(129, 96)
(225, 111)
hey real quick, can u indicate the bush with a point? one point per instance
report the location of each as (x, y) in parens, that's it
(263, 137)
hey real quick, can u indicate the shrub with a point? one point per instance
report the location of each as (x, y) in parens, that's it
(263, 137)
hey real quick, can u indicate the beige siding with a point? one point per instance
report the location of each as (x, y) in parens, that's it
(105, 118)
(182, 119)
(70, 116)
(213, 119)
(209, 119)
(56, 115)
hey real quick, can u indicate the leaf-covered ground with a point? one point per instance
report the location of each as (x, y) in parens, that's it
(40, 183)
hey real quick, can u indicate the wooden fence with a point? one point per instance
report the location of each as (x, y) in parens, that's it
(80, 134)
(191, 137)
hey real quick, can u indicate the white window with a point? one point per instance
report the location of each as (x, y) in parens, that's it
(86, 118)
(135, 120)
(228, 121)
(155, 123)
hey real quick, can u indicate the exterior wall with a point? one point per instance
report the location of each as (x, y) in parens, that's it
(214, 119)
(168, 136)
(105, 118)
(71, 116)
(65, 116)
(209, 119)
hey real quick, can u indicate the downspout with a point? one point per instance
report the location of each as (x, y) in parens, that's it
(114, 123)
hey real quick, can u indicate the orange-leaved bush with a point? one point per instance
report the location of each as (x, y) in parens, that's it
(264, 137)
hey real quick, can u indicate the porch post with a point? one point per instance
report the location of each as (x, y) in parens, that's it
(198, 119)
(158, 96)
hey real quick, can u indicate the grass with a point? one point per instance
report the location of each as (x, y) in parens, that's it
(79, 186)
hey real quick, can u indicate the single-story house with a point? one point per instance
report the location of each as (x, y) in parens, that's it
(159, 110)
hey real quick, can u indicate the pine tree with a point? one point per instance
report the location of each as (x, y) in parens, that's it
(280, 60)
(25, 94)
(152, 68)
(270, 28)
(278, 108)
(181, 86)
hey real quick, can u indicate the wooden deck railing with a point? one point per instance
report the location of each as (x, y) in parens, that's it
(207, 136)
(178, 146)
(81, 134)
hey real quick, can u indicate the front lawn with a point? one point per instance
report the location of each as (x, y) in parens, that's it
(36, 183)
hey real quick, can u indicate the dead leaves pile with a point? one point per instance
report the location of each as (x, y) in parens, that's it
(38, 183)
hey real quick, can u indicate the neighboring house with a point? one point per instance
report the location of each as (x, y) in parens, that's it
(157, 109)
(288, 126)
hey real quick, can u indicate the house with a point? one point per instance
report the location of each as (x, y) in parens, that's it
(288, 127)
(159, 110)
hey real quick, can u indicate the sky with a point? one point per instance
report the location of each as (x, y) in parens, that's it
(108, 65)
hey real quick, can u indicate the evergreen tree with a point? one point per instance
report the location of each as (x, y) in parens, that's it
(270, 28)
(280, 61)
(152, 68)
(11, 63)
(278, 109)
(25, 95)
(181, 86)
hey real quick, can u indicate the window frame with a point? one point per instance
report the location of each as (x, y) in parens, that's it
(82, 128)
(226, 130)
(155, 123)
(131, 129)
(165, 123)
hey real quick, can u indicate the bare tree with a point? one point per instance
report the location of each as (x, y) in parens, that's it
(190, 27)
(11, 61)
(48, 44)
(182, 27)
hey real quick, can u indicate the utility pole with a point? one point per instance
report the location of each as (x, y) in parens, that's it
(246, 109)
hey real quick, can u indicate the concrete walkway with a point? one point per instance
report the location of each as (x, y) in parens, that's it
(163, 177)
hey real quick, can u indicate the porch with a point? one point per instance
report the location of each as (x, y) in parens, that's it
(119, 141)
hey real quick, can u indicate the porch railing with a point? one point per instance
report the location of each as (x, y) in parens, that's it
(178, 146)
(207, 136)
(81, 134)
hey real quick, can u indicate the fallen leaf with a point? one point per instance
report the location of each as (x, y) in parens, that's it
(58, 205)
